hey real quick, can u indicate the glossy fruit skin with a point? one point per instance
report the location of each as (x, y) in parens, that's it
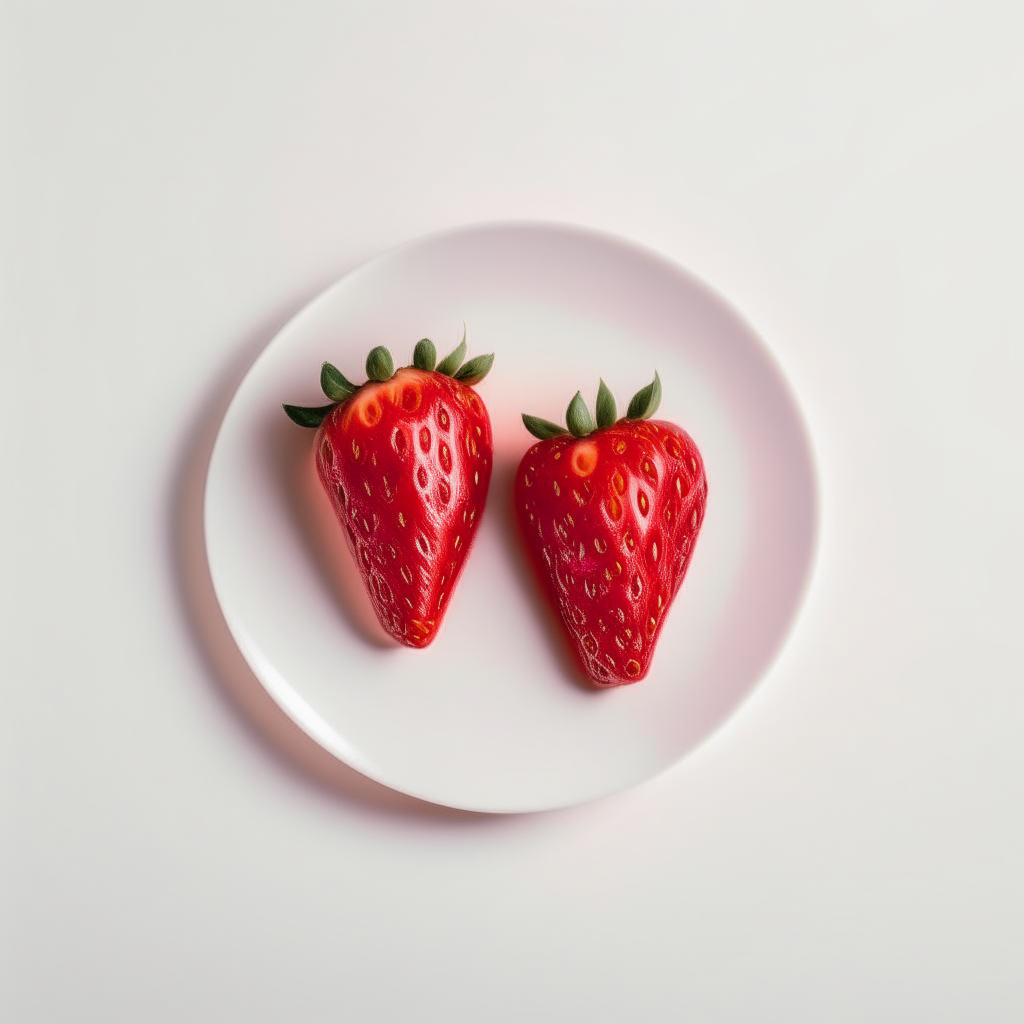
(609, 522)
(407, 464)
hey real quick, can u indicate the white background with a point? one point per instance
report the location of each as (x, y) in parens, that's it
(178, 179)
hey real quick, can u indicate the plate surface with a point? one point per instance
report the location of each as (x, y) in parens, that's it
(493, 716)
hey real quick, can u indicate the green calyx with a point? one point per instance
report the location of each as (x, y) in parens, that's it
(453, 360)
(579, 422)
(577, 417)
(308, 416)
(644, 404)
(424, 356)
(336, 386)
(380, 367)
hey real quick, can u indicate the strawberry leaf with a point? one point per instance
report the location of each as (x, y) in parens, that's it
(336, 386)
(379, 364)
(645, 402)
(577, 417)
(453, 360)
(606, 411)
(308, 416)
(544, 429)
(476, 369)
(424, 356)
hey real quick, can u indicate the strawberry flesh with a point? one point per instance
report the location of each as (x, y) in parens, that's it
(609, 521)
(407, 464)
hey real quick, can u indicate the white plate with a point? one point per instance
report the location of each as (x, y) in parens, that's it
(492, 716)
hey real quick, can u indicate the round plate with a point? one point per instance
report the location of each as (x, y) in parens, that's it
(494, 716)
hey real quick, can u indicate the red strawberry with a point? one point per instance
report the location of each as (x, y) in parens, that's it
(406, 459)
(609, 516)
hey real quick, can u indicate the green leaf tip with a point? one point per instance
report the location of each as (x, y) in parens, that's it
(379, 364)
(543, 429)
(476, 369)
(336, 386)
(645, 402)
(606, 411)
(453, 360)
(577, 417)
(424, 356)
(308, 416)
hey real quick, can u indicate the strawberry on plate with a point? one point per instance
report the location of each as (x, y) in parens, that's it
(609, 515)
(406, 459)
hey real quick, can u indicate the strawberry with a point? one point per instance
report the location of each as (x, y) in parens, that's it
(609, 516)
(406, 460)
